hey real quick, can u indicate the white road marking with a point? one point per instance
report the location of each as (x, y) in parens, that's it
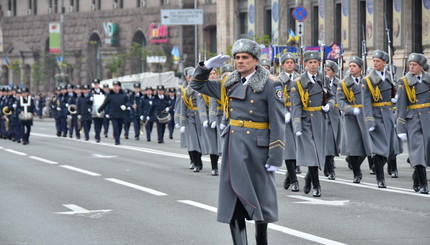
(102, 156)
(138, 187)
(43, 160)
(79, 211)
(318, 201)
(80, 170)
(274, 227)
(16, 152)
(1, 147)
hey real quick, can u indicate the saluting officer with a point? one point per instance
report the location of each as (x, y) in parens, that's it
(254, 102)
(311, 99)
(117, 100)
(355, 138)
(413, 118)
(84, 109)
(288, 63)
(160, 104)
(333, 127)
(378, 90)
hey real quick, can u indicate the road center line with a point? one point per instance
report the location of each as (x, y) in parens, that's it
(16, 152)
(274, 227)
(80, 170)
(43, 160)
(138, 187)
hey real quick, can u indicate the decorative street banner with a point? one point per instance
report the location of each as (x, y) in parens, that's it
(397, 22)
(369, 24)
(251, 19)
(275, 22)
(110, 33)
(158, 34)
(54, 38)
(266, 53)
(1, 40)
(345, 23)
(426, 22)
(321, 21)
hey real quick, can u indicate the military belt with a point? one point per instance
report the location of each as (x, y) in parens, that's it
(316, 108)
(288, 103)
(219, 108)
(357, 106)
(194, 108)
(418, 106)
(336, 105)
(382, 104)
(249, 124)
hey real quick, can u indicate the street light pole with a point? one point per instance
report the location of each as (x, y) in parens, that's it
(195, 39)
(62, 37)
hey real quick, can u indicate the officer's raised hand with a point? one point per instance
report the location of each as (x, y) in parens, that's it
(216, 61)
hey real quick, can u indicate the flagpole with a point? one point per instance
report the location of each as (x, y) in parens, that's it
(62, 37)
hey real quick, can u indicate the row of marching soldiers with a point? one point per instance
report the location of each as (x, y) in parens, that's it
(362, 116)
(17, 109)
(76, 108)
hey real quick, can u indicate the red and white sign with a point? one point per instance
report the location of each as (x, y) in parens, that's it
(158, 34)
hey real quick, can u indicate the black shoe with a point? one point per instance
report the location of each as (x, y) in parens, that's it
(287, 183)
(171, 137)
(295, 186)
(416, 188)
(86, 139)
(126, 137)
(58, 134)
(192, 166)
(332, 176)
(326, 174)
(19, 141)
(394, 174)
(136, 138)
(98, 140)
(106, 135)
(196, 169)
(148, 140)
(160, 142)
(316, 192)
(307, 187)
(26, 143)
(70, 136)
(357, 179)
(424, 189)
(117, 143)
(372, 171)
(298, 171)
(381, 184)
(214, 172)
(64, 135)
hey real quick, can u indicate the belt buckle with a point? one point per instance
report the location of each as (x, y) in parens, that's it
(241, 123)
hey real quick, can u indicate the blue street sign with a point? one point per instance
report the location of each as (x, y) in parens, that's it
(300, 13)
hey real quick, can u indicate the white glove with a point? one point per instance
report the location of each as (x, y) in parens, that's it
(271, 168)
(14, 106)
(167, 109)
(287, 117)
(371, 129)
(213, 124)
(58, 109)
(216, 61)
(402, 136)
(107, 116)
(67, 105)
(177, 125)
(123, 107)
(129, 108)
(141, 118)
(182, 129)
(91, 98)
(205, 124)
(147, 118)
(222, 126)
(79, 116)
(394, 100)
(326, 108)
(356, 111)
(89, 109)
(69, 117)
(298, 133)
(150, 102)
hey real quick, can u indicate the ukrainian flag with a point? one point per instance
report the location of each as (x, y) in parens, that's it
(6, 62)
(175, 53)
(293, 37)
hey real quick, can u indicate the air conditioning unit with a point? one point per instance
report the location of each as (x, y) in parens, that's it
(142, 3)
(49, 10)
(114, 5)
(69, 9)
(93, 7)
(8, 13)
(29, 12)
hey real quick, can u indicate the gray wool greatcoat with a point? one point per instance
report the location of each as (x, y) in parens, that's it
(178, 109)
(311, 144)
(216, 114)
(333, 124)
(246, 151)
(415, 122)
(383, 138)
(208, 137)
(290, 139)
(191, 120)
(355, 137)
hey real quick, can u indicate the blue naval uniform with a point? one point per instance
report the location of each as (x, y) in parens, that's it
(73, 100)
(145, 104)
(171, 123)
(117, 115)
(133, 114)
(160, 103)
(84, 109)
(25, 125)
(98, 121)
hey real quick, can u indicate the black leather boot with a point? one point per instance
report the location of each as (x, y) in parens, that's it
(355, 164)
(291, 173)
(238, 232)
(392, 165)
(422, 178)
(371, 165)
(379, 162)
(315, 181)
(329, 166)
(416, 183)
(307, 187)
(261, 233)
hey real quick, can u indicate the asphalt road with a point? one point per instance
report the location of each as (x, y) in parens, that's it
(66, 191)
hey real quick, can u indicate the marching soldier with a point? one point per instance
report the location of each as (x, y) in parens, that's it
(133, 107)
(84, 109)
(266, 64)
(311, 99)
(145, 103)
(127, 117)
(288, 63)
(172, 102)
(117, 101)
(333, 127)
(254, 102)
(413, 118)
(26, 109)
(106, 118)
(97, 118)
(378, 90)
(15, 127)
(355, 138)
(159, 105)
(63, 111)
(72, 116)
(56, 108)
